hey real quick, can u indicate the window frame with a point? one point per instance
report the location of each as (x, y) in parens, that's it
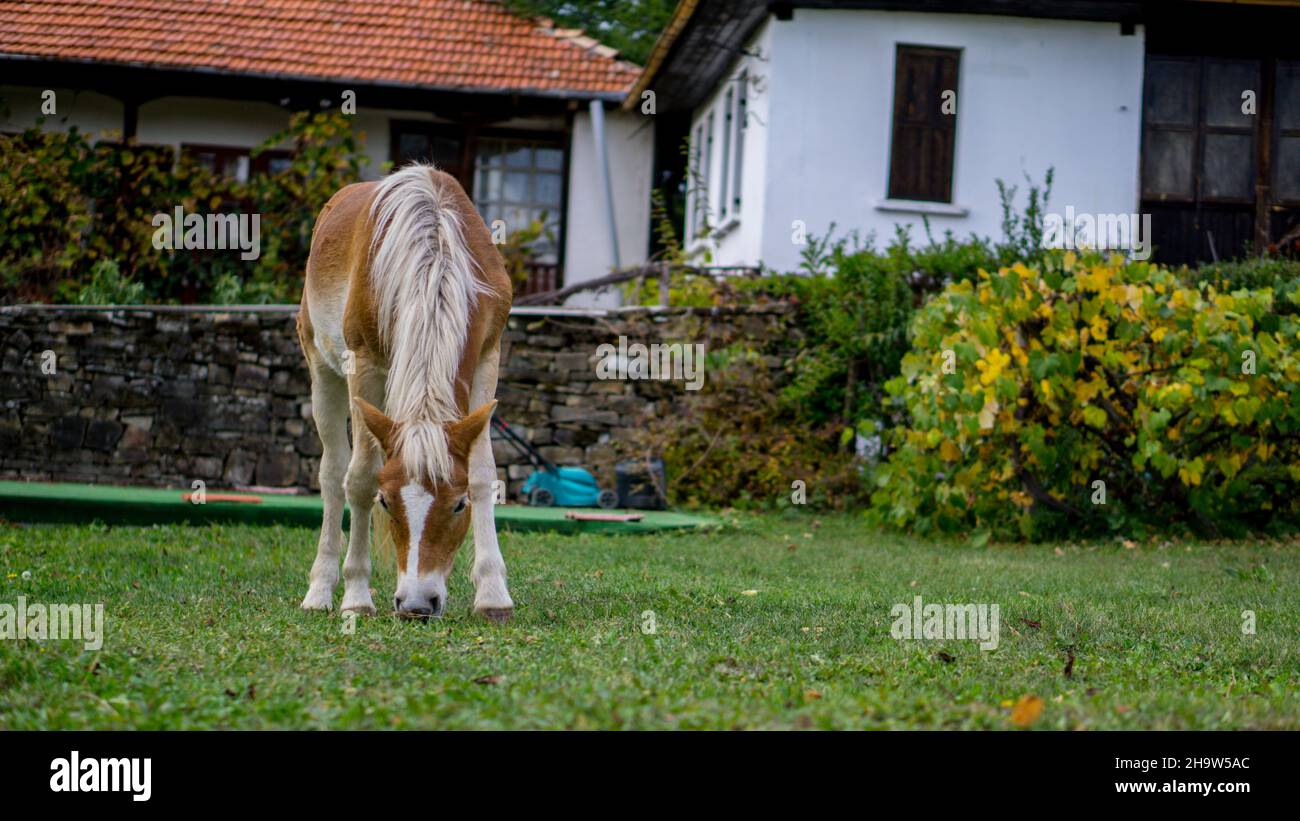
(558, 140)
(463, 171)
(257, 166)
(938, 122)
(1200, 129)
(698, 179)
(724, 163)
(1280, 132)
(742, 125)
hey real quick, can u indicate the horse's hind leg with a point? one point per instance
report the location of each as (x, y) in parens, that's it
(329, 407)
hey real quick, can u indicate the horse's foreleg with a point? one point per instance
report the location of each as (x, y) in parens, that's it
(329, 406)
(361, 484)
(491, 598)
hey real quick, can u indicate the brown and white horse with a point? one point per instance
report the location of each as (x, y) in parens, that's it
(401, 320)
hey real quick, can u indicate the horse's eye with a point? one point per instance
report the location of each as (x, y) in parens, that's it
(380, 497)
(460, 505)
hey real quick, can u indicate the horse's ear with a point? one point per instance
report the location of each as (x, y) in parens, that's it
(379, 425)
(461, 434)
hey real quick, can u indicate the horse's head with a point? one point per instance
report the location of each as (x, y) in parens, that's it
(429, 516)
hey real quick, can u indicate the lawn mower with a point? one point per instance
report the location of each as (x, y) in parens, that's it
(551, 485)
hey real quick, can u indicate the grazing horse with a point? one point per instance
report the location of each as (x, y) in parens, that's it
(402, 312)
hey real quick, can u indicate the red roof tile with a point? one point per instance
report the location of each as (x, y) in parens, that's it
(471, 45)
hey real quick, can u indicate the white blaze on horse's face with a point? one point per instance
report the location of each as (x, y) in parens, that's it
(418, 592)
(429, 518)
(429, 522)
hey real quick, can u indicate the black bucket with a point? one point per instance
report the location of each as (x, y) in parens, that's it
(641, 484)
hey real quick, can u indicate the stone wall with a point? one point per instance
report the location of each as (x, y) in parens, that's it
(165, 395)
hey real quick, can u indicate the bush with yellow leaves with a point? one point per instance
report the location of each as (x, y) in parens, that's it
(1092, 395)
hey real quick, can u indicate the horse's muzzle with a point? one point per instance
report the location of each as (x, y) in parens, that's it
(414, 608)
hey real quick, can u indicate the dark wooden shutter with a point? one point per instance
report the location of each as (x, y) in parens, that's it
(920, 158)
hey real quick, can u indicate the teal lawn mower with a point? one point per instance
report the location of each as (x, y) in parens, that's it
(552, 485)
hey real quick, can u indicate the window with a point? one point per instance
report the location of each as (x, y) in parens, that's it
(921, 150)
(723, 200)
(521, 180)
(702, 152)
(237, 163)
(697, 182)
(442, 145)
(1286, 156)
(1198, 145)
(742, 102)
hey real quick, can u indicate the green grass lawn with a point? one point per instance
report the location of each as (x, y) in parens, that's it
(778, 621)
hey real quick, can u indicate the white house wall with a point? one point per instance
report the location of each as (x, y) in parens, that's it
(588, 255)
(1032, 94)
(89, 111)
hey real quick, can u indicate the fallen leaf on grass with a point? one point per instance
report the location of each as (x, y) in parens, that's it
(488, 680)
(1026, 711)
(251, 692)
(1069, 662)
(1037, 625)
(944, 657)
(749, 592)
(811, 695)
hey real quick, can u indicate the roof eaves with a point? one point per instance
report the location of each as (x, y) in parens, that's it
(574, 94)
(676, 25)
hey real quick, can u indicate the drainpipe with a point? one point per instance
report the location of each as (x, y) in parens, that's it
(602, 164)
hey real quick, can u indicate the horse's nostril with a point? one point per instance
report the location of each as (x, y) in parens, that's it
(397, 602)
(435, 605)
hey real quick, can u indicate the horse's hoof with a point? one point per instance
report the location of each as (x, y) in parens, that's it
(318, 600)
(497, 615)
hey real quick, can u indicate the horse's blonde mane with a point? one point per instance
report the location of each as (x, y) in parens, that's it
(423, 278)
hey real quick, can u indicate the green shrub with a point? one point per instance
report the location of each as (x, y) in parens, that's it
(69, 203)
(43, 214)
(107, 286)
(855, 333)
(733, 444)
(854, 304)
(1279, 273)
(1085, 370)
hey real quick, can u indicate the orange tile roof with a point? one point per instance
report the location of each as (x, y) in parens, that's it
(470, 45)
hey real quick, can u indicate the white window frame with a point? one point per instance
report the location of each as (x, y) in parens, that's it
(697, 190)
(724, 163)
(738, 150)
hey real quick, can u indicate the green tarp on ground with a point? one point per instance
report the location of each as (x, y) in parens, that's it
(59, 502)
